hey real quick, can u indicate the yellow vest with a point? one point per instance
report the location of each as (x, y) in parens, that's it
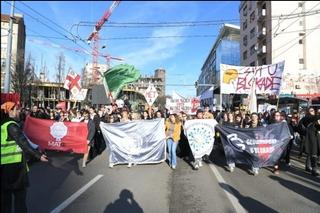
(10, 150)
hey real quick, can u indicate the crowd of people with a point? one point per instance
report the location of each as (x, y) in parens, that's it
(304, 128)
(298, 124)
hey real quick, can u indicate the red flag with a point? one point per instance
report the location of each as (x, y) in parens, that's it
(61, 105)
(53, 135)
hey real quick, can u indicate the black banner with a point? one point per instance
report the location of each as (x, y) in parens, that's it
(257, 147)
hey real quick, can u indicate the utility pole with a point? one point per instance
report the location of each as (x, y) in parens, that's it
(9, 52)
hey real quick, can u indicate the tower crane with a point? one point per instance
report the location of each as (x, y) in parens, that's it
(94, 38)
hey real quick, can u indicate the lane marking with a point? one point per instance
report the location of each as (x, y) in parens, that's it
(76, 195)
(232, 198)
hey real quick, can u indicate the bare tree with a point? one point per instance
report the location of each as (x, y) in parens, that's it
(60, 67)
(21, 78)
(60, 70)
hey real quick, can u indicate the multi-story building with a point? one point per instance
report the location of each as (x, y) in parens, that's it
(135, 90)
(275, 31)
(225, 50)
(18, 44)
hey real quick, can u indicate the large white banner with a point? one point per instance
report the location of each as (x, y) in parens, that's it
(200, 134)
(139, 141)
(238, 79)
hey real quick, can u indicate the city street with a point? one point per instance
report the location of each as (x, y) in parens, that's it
(63, 185)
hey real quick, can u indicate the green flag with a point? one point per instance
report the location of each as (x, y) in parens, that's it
(115, 78)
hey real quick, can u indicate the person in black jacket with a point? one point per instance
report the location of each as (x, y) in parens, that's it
(91, 134)
(14, 169)
(313, 144)
(302, 126)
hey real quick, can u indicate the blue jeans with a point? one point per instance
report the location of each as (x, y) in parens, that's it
(172, 156)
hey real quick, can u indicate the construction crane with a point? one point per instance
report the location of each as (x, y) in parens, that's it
(94, 38)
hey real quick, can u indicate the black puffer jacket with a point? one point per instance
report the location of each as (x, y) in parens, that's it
(15, 175)
(313, 139)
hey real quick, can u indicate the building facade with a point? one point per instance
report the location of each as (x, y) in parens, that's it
(135, 90)
(18, 44)
(226, 50)
(275, 31)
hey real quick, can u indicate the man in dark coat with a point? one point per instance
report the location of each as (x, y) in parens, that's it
(313, 144)
(302, 126)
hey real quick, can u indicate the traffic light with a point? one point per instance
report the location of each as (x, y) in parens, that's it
(196, 84)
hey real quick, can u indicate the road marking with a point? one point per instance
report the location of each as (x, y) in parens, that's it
(75, 195)
(232, 198)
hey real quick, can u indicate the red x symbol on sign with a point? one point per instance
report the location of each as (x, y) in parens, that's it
(73, 82)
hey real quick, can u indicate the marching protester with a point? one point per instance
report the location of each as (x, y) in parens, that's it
(173, 130)
(91, 135)
(312, 141)
(302, 126)
(14, 168)
(158, 114)
(207, 114)
(254, 123)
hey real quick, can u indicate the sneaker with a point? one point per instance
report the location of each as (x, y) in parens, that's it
(308, 169)
(255, 172)
(111, 165)
(129, 165)
(288, 164)
(315, 173)
(231, 168)
(173, 167)
(200, 163)
(83, 165)
(196, 166)
(276, 171)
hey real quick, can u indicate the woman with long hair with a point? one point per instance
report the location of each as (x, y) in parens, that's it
(173, 130)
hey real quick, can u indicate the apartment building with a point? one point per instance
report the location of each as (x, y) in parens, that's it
(18, 44)
(273, 31)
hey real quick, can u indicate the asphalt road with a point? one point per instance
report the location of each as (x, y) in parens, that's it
(63, 185)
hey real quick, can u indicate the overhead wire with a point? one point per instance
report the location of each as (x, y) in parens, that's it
(295, 21)
(48, 26)
(281, 20)
(26, 5)
(317, 27)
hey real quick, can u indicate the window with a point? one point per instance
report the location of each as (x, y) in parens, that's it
(252, 50)
(245, 55)
(244, 25)
(300, 4)
(300, 41)
(301, 23)
(264, 61)
(244, 11)
(245, 40)
(253, 64)
(301, 34)
(252, 33)
(252, 16)
(301, 61)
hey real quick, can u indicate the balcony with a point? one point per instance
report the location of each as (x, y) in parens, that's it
(262, 33)
(262, 50)
(262, 14)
